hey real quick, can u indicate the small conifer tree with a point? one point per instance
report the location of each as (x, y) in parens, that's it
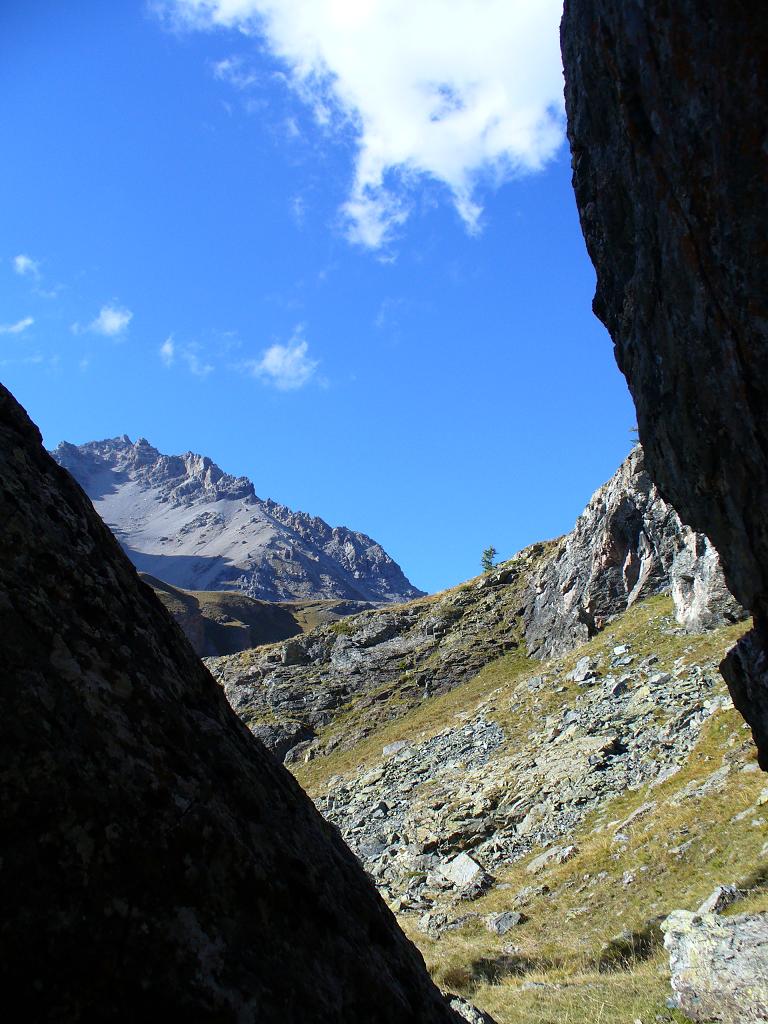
(488, 558)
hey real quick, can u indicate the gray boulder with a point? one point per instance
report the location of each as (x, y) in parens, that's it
(504, 922)
(719, 966)
(720, 899)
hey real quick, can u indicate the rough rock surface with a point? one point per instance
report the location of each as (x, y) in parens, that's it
(158, 862)
(666, 108)
(182, 519)
(627, 544)
(429, 819)
(719, 966)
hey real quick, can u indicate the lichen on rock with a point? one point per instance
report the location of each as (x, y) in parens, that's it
(719, 966)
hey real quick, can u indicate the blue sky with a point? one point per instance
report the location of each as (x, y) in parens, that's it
(331, 245)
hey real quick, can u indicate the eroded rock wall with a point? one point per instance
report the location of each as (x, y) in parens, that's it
(666, 121)
(157, 862)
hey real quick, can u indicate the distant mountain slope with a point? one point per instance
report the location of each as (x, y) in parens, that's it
(220, 622)
(182, 519)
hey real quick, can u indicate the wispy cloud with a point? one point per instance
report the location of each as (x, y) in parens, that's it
(235, 71)
(466, 93)
(191, 355)
(196, 364)
(112, 322)
(168, 351)
(286, 367)
(298, 210)
(34, 360)
(18, 327)
(25, 266)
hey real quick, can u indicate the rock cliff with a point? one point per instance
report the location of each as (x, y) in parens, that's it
(627, 543)
(666, 109)
(158, 863)
(182, 519)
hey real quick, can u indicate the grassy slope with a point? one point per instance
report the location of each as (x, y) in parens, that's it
(558, 966)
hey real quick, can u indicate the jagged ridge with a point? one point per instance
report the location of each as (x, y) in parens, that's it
(182, 519)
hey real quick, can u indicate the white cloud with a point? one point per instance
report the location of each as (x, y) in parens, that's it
(18, 327)
(189, 354)
(167, 351)
(286, 367)
(26, 266)
(465, 92)
(111, 321)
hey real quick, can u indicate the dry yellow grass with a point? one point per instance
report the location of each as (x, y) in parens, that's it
(559, 966)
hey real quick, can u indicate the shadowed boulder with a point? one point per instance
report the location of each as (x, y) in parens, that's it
(157, 862)
(666, 121)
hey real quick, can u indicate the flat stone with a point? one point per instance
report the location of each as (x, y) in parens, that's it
(462, 870)
(394, 748)
(504, 922)
(554, 855)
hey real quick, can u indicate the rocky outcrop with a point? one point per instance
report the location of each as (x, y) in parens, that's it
(701, 596)
(719, 966)
(665, 112)
(157, 861)
(182, 519)
(628, 543)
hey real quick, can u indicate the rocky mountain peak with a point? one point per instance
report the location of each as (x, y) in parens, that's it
(184, 520)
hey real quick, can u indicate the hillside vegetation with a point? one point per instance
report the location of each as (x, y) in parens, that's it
(627, 842)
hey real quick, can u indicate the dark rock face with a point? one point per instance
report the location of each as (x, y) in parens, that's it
(157, 861)
(666, 115)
